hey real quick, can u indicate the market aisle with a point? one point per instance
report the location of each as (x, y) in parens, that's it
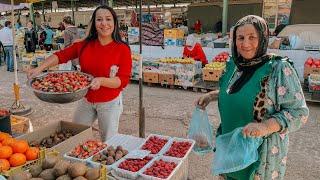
(168, 112)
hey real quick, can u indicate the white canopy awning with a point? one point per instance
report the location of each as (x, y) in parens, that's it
(8, 7)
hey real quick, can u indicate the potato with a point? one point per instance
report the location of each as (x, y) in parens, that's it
(125, 152)
(35, 170)
(20, 176)
(119, 155)
(49, 162)
(77, 169)
(64, 177)
(119, 148)
(111, 153)
(80, 178)
(61, 168)
(48, 174)
(110, 148)
(92, 174)
(110, 160)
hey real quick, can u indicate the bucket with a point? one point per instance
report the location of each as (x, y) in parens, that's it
(5, 124)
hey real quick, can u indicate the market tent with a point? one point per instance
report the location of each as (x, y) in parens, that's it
(8, 7)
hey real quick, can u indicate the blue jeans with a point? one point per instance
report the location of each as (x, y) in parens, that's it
(9, 57)
(107, 113)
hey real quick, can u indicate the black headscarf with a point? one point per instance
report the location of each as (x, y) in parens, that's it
(248, 67)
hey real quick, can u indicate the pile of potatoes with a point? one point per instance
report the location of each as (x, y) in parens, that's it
(110, 155)
(54, 168)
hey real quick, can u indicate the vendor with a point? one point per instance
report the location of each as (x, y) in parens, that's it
(261, 93)
(108, 59)
(194, 50)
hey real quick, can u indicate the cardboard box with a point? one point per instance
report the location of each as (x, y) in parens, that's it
(54, 68)
(133, 31)
(166, 78)
(174, 33)
(173, 42)
(19, 124)
(151, 77)
(211, 75)
(309, 70)
(82, 133)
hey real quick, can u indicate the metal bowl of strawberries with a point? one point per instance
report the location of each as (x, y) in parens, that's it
(61, 86)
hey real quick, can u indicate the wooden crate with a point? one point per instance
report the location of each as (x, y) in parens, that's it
(211, 75)
(310, 70)
(151, 77)
(166, 78)
(19, 124)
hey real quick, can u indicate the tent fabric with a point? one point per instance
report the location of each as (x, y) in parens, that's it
(8, 7)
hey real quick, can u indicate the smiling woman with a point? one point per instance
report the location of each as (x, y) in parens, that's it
(260, 93)
(108, 59)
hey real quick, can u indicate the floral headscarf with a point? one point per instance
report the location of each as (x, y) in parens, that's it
(248, 67)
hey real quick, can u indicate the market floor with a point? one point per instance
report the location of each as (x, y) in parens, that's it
(168, 111)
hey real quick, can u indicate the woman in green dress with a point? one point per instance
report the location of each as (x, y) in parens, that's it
(261, 93)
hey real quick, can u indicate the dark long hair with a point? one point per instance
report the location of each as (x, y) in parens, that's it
(93, 34)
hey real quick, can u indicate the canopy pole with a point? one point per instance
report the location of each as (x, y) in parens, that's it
(72, 9)
(43, 15)
(32, 15)
(14, 45)
(224, 17)
(110, 3)
(141, 108)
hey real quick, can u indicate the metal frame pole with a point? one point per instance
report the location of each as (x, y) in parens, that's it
(224, 17)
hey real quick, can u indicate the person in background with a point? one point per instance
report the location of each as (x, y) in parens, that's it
(30, 38)
(261, 93)
(6, 38)
(61, 26)
(197, 27)
(48, 37)
(194, 50)
(70, 34)
(18, 24)
(278, 29)
(108, 59)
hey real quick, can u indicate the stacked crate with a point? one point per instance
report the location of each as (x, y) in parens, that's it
(173, 37)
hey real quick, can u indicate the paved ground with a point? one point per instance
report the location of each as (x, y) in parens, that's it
(168, 112)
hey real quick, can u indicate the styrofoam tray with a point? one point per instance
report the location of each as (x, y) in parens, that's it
(128, 142)
(161, 136)
(175, 139)
(125, 173)
(164, 158)
(74, 159)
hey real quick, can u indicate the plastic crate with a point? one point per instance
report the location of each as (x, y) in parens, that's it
(314, 83)
(157, 135)
(175, 139)
(164, 158)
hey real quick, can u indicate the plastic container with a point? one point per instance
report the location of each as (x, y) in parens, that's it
(75, 159)
(127, 142)
(164, 158)
(175, 139)
(122, 173)
(5, 124)
(314, 83)
(157, 135)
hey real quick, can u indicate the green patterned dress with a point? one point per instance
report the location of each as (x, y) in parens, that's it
(274, 91)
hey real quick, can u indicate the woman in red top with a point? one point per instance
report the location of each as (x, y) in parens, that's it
(197, 26)
(105, 56)
(194, 50)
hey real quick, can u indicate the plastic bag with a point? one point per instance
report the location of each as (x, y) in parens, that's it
(235, 152)
(201, 131)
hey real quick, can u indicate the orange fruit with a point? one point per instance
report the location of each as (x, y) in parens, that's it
(17, 159)
(8, 141)
(4, 165)
(19, 146)
(4, 136)
(32, 153)
(0, 144)
(5, 152)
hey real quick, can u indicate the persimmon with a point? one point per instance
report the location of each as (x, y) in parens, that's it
(17, 159)
(8, 141)
(4, 165)
(19, 146)
(32, 153)
(4, 136)
(5, 152)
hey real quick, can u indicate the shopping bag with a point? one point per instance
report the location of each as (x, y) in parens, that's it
(201, 130)
(235, 152)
